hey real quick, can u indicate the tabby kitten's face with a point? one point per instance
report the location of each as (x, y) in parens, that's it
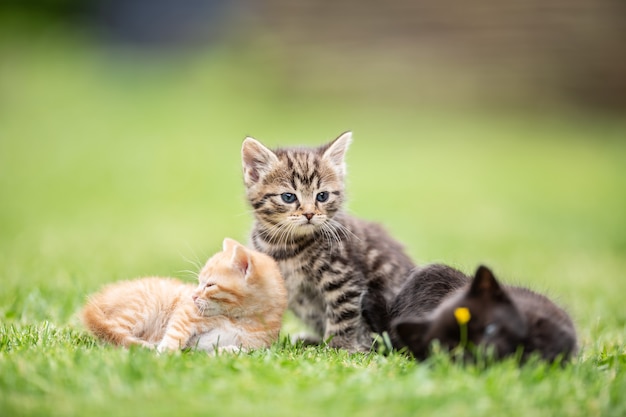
(239, 282)
(295, 191)
(494, 323)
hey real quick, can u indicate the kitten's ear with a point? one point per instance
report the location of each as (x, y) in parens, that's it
(241, 259)
(257, 160)
(228, 244)
(412, 333)
(336, 151)
(486, 285)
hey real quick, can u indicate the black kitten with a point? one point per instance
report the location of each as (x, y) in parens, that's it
(441, 303)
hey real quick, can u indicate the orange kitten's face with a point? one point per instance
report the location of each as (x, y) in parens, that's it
(238, 282)
(221, 287)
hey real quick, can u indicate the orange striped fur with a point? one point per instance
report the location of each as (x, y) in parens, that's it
(238, 304)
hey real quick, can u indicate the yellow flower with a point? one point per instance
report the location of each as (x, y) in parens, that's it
(462, 315)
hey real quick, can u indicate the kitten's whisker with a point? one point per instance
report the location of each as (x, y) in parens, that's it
(292, 235)
(334, 232)
(194, 274)
(328, 235)
(343, 229)
(287, 234)
(282, 233)
(272, 232)
(197, 264)
(275, 233)
(245, 212)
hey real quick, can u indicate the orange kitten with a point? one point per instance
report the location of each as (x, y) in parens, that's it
(238, 304)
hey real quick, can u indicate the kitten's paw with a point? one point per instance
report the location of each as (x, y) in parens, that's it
(164, 347)
(148, 345)
(305, 339)
(346, 343)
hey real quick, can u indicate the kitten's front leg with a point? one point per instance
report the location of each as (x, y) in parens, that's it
(170, 344)
(307, 303)
(343, 312)
(178, 332)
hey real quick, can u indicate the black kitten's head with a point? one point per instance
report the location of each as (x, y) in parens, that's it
(480, 316)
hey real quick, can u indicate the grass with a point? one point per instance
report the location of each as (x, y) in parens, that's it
(111, 169)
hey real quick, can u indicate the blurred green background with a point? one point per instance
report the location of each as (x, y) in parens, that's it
(482, 133)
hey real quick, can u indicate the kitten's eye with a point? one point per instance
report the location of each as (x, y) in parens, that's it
(323, 196)
(288, 197)
(491, 329)
(209, 285)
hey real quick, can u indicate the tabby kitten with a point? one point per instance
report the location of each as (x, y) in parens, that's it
(441, 303)
(328, 258)
(238, 304)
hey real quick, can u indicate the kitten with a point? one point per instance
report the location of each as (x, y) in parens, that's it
(238, 304)
(328, 258)
(423, 291)
(438, 301)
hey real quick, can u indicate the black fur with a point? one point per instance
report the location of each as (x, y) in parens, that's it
(504, 319)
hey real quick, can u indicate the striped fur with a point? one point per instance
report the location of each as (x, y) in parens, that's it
(238, 304)
(329, 259)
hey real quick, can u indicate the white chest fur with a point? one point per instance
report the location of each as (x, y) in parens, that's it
(225, 335)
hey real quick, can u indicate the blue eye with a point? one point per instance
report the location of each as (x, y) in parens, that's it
(321, 197)
(288, 197)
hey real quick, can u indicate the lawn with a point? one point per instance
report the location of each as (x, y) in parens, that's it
(112, 168)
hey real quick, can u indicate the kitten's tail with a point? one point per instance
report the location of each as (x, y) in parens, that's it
(92, 318)
(103, 328)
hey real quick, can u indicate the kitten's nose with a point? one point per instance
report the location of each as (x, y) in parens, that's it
(194, 297)
(308, 216)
